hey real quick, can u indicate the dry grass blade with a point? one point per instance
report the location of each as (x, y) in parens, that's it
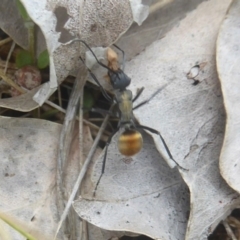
(82, 173)
(4, 41)
(81, 230)
(9, 55)
(66, 135)
(229, 230)
(91, 125)
(10, 82)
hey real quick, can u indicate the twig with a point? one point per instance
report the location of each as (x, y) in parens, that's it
(4, 41)
(229, 230)
(235, 223)
(10, 82)
(84, 224)
(85, 230)
(59, 96)
(158, 5)
(91, 125)
(81, 160)
(82, 173)
(81, 233)
(8, 57)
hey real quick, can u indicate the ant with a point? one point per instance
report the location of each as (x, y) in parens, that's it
(130, 141)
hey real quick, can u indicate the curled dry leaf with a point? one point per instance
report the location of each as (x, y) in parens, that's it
(228, 60)
(12, 23)
(191, 119)
(23, 103)
(163, 16)
(99, 23)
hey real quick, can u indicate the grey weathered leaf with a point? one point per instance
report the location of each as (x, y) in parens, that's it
(28, 149)
(191, 119)
(135, 194)
(228, 60)
(12, 22)
(163, 16)
(97, 23)
(23, 103)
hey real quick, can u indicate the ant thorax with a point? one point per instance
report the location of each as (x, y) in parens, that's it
(125, 105)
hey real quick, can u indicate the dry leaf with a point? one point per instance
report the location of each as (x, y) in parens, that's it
(140, 195)
(228, 60)
(28, 166)
(163, 16)
(23, 103)
(102, 29)
(61, 23)
(12, 23)
(191, 119)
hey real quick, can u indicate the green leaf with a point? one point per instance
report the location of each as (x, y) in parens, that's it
(22, 11)
(43, 60)
(88, 100)
(49, 114)
(23, 59)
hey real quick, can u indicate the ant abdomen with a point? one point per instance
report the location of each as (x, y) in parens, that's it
(130, 142)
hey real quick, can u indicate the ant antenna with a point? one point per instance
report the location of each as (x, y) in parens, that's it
(102, 64)
(118, 78)
(123, 61)
(98, 83)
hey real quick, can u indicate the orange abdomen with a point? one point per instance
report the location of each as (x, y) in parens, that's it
(130, 142)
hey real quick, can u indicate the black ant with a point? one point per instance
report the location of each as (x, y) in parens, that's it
(130, 141)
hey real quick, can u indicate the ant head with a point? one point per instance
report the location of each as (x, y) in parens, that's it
(119, 79)
(130, 142)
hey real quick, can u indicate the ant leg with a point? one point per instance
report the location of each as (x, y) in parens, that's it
(103, 112)
(138, 94)
(104, 160)
(123, 61)
(164, 143)
(148, 100)
(103, 65)
(98, 83)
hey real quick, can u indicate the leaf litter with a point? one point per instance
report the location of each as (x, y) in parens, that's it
(191, 119)
(211, 198)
